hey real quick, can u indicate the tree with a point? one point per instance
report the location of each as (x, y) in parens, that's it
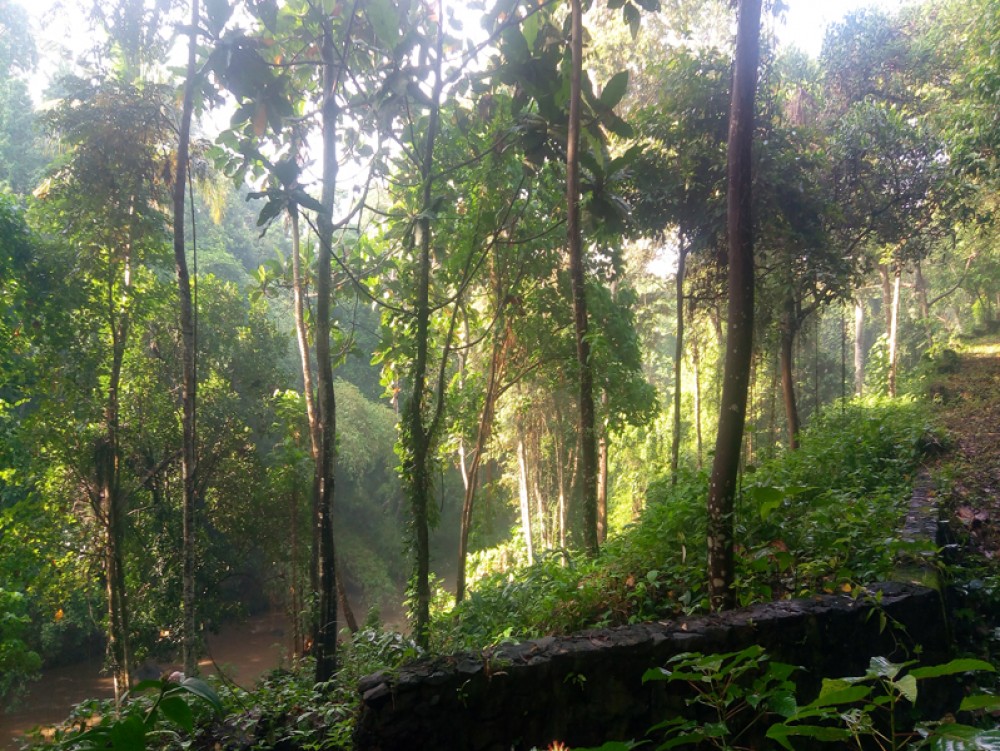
(105, 202)
(739, 336)
(189, 392)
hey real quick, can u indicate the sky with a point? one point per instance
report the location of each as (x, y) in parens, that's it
(806, 20)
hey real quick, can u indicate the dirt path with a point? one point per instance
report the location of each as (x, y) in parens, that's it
(969, 406)
(243, 651)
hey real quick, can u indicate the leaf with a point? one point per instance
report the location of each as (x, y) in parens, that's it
(260, 120)
(963, 665)
(633, 18)
(218, 13)
(980, 701)
(782, 732)
(880, 667)
(907, 686)
(955, 737)
(129, 734)
(838, 692)
(617, 126)
(385, 21)
(202, 690)
(615, 90)
(177, 710)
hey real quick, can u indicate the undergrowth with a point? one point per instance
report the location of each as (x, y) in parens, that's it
(844, 492)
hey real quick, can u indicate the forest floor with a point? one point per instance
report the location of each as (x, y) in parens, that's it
(969, 473)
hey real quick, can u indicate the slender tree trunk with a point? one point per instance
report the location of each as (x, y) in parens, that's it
(325, 623)
(788, 372)
(893, 331)
(294, 588)
(420, 434)
(696, 367)
(859, 347)
(883, 271)
(308, 393)
(189, 640)
(739, 339)
(588, 429)
(522, 492)
(602, 478)
(675, 448)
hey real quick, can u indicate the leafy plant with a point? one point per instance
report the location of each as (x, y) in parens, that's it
(737, 689)
(139, 719)
(868, 706)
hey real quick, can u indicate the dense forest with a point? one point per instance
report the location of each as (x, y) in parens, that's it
(470, 321)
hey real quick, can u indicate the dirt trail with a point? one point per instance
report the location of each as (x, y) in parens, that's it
(243, 651)
(969, 407)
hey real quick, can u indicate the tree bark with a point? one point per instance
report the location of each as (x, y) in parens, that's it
(325, 623)
(859, 347)
(420, 434)
(308, 392)
(787, 334)
(893, 331)
(602, 478)
(588, 431)
(696, 367)
(675, 448)
(483, 435)
(522, 493)
(739, 338)
(189, 639)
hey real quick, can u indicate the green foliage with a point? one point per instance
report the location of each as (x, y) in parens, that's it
(738, 690)
(868, 706)
(18, 663)
(846, 488)
(145, 720)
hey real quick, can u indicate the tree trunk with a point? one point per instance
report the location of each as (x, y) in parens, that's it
(788, 372)
(471, 476)
(602, 478)
(696, 367)
(421, 435)
(893, 331)
(739, 339)
(675, 448)
(522, 492)
(308, 388)
(588, 431)
(325, 622)
(189, 639)
(859, 347)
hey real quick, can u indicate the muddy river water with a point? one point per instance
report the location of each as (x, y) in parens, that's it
(242, 651)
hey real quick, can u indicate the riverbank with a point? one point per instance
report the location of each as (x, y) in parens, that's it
(242, 652)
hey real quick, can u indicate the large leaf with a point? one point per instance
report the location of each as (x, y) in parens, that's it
(980, 701)
(177, 710)
(964, 665)
(955, 737)
(128, 734)
(615, 90)
(782, 732)
(202, 690)
(384, 19)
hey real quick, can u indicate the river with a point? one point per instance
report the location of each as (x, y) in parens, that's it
(243, 651)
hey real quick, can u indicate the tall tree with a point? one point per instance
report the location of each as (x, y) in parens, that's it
(739, 334)
(106, 201)
(588, 420)
(189, 450)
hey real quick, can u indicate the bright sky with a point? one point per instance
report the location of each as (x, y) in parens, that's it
(806, 20)
(60, 25)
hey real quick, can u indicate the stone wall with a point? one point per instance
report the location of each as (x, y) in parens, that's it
(586, 689)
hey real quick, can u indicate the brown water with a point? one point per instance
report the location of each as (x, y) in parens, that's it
(242, 651)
